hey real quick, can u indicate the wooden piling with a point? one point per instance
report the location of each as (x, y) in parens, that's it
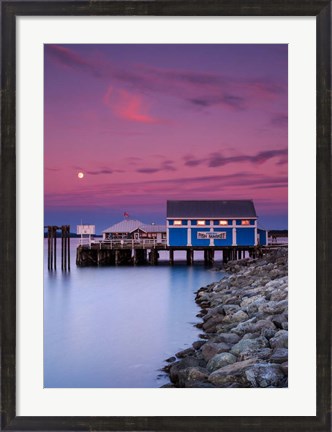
(190, 255)
(171, 256)
(68, 246)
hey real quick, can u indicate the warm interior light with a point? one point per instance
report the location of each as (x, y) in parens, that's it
(245, 222)
(201, 222)
(177, 222)
(223, 222)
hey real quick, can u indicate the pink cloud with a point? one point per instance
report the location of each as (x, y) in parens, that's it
(129, 106)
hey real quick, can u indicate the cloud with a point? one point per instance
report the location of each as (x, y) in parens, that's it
(128, 106)
(68, 58)
(101, 171)
(233, 186)
(166, 165)
(202, 90)
(217, 159)
(231, 101)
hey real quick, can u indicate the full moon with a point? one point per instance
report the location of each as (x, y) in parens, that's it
(80, 175)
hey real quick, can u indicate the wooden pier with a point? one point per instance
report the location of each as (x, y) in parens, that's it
(131, 252)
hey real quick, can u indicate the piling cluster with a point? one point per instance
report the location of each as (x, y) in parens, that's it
(65, 247)
(245, 329)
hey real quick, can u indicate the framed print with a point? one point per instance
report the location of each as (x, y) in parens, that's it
(153, 155)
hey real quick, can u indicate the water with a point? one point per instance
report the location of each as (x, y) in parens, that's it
(115, 326)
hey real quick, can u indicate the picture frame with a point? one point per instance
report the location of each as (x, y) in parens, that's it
(12, 9)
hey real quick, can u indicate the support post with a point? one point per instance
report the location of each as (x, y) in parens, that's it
(54, 242)
(171, 256)
(68, 248)
(189, 256)
(49, 247)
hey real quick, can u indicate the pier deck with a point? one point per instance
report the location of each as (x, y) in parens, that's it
(135, 252)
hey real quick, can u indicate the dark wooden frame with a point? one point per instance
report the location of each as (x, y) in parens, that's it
(319, 8)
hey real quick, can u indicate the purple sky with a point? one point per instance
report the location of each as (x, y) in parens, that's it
(147, 123)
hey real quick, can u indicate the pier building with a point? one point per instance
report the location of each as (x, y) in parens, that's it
(133, 229)
(224, 227)
(219, 223)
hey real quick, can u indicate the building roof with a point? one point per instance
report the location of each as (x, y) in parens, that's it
(212, 209)
(125, 226)
(153, 228)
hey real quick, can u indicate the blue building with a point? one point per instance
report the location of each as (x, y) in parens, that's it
(212, 223)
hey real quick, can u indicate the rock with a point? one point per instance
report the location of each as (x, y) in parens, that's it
(232, 373)
(182, 364)
(230, 309)
(228, 338)
(198, 344)
(264, 375)
(248, 344)
(210, 349)
(218, 310)
(191, 375)
(279, 340)
(244, 327)
(185, 353)
(261, 354)
(278, 320)
(220, 360)
(268, 333)
(170, 360)
(239, 316)
(273, 307)
(168, 386)
(284, 368)
(210, 325)
(279, 355)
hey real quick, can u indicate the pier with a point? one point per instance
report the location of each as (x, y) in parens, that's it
(147, 252)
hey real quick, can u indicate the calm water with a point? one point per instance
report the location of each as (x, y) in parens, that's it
(115, 326)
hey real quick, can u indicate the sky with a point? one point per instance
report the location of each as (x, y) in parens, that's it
(148, 123)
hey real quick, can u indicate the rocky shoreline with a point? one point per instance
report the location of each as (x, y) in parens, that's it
(245, 324)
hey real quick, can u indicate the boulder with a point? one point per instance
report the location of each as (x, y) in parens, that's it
(284, 368)
(228, 338)
(279, 355)
(185, 353)
(197, 344)
(182, 364)
(220, 360)
(192, 375)
(230, 374)
(264, 375)
(210, 349)
(279, 340)
(248, 344)
(260, 353)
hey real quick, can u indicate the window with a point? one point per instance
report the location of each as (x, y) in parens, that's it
(177, 222)
(245, 222)
(201, 222)
(223, 222)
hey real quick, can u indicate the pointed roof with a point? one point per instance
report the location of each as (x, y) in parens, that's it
(125, 226)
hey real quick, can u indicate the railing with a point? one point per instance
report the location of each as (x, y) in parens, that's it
(130, 243)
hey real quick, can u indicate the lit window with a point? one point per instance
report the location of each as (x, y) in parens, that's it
(201, 222)
(245, 222)
(177, 222)
(223, 222)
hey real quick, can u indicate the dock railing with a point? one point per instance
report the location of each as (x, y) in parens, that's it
(129, 243)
